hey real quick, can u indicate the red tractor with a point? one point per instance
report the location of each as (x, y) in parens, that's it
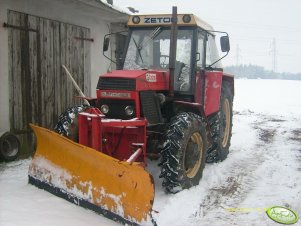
(170, 99)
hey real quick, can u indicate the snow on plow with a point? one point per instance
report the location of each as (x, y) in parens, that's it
(119, 190)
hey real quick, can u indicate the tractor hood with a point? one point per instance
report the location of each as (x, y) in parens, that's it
(132, 74)
(137, 80)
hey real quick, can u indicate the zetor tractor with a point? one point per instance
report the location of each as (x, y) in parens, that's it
(169, 100)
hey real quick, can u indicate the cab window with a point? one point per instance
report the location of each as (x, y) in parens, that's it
(212, 52)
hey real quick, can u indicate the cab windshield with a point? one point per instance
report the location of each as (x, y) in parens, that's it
(149, 49)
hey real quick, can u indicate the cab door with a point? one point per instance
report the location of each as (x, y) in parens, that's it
(208, 81)
(213, 77)
(200, 67)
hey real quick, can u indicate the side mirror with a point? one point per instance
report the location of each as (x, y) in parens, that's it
(225, 43)
(106, 44)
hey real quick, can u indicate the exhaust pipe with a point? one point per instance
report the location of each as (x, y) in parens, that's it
(9, 146)
(173, 50)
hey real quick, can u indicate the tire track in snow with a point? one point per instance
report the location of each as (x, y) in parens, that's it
(241, 176)
(223, 185)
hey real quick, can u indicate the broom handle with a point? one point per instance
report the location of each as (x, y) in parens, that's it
(75, 85)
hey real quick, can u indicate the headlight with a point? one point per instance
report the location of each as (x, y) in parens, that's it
(136, 19)
(186, 18)
(104, 109)
(129, 110)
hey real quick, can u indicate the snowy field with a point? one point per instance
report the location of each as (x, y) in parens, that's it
(263, 169)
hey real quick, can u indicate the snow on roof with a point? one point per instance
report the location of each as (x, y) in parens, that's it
(116, 8)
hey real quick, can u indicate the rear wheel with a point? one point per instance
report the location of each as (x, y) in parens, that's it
(183, 153)
(221, 127)
(67, 124)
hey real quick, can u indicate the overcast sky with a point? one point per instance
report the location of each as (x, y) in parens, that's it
(252, 26)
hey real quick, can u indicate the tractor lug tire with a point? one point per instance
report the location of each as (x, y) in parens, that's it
(9, 147)
(67, 124)
(221, 127)
(183, 153)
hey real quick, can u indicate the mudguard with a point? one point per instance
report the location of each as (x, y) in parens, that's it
(118, 190)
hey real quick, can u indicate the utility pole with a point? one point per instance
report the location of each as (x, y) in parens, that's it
(238, 55)
(274, 55)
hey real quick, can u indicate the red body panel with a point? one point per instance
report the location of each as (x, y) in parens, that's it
(153, 80)
(213, 87)
(145, 80)
(198, 88)
(133, 74)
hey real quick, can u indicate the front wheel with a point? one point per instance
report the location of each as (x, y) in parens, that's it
(183, 153)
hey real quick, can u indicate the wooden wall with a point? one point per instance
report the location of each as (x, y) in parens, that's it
(39, 88)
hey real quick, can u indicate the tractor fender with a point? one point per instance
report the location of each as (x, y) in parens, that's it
(183, 106)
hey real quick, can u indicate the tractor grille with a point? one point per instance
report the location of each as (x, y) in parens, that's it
(116, 84)
(150, 107)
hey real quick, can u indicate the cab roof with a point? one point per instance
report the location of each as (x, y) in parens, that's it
(165, 20)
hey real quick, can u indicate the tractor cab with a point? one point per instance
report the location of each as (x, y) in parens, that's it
(148, 47)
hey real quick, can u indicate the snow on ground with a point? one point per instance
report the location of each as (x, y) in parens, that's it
(263, 169)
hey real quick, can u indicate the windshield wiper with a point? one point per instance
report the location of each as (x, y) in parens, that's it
(138, 49)
(151, 36)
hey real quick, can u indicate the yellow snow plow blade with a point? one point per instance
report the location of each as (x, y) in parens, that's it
(119, 190)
